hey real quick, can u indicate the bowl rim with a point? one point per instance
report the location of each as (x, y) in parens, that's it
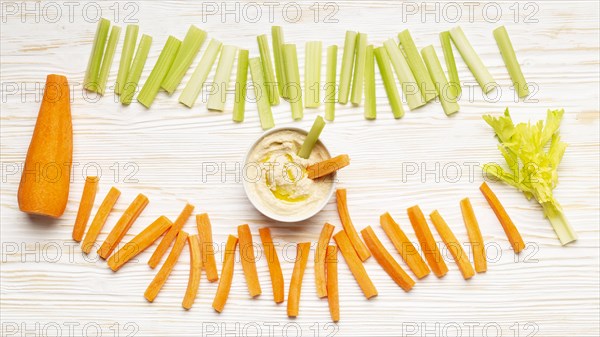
(258, 204)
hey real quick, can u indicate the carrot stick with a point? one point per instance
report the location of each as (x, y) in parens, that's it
(328, 166)
(355, 265)
(458, 253)
(404, 246)
(248, 260)
(100, 219)
(512, 233)
(164, 272)
(127, 219)
(333, 297)
(293, 305)
(195, 272)
(320, 253)
(163, 246)
(139, 243)
(226, 274)
(273, 263)
(207, 249)
(385, 259)
(427, 242)
(85, 207)
(342, 206)
(477, 244)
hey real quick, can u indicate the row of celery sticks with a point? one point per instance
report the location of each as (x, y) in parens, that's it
(276, 75)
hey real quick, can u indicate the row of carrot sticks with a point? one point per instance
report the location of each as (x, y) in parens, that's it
(354, 250)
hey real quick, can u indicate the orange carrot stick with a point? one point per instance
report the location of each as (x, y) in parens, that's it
(127, 219)
(458, 253)
(385, 259)
(100, 219)
(355, 265)
(248, 260)
(139, 243)
(164, 272)
(273, 263)
(427, 242)
(164, 244)
(320, 253)
(475, 237)
(342, 206)
(195, 272)
(328, 166)
(85, 207)
(404, 246)
(512, 233)
(333, 297)
(206, 248)
(226, 274)
(293, 305)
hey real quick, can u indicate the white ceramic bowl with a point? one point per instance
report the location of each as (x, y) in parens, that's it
(258, 203)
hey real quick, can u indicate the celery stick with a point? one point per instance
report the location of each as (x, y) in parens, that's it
(447, 99)
(510, 60)
(481, 73)
(260, 91)
(407, 80)
(160, 70)
(347, 65)
(292, 75)
(359, 69)
(90, 80)
(190, 93)
(330, 87)
(241, 86)
(194, 38)
(453, 79)
(417, 66)
(135, 72)
(107, 60)
(311, 138)
(383, 61)
(267, 62)
(277, 37)
(370, 94)
(312, 74)
(131, 34)
(217, 98)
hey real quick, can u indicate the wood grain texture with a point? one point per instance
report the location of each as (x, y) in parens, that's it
(548, 290)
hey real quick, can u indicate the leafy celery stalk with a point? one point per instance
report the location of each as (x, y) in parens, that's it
(417, 66)
(510, 60)
(359, 69)
(292, 75)
(241, 86)
(312, 74)
(135, 72)
(277, 37)
(330, 87)
(194, 38)
(131, 34)
(260, 92)
(453, 79)
(383, 61)
(311, 138)
(473, 61)
(267, 62)
(370, 94)
(217, 98)
(192, 89)
(442, 86)
(107, 59)
(160, 70)
(347, 65)
(407, 80)
(90, 81)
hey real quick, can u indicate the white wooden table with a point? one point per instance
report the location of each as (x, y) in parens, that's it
(48, 285)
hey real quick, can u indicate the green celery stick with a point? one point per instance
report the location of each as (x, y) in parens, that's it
(260, 91)
(370, 94)
(417, 66)
(160, 70)
(217, 98)
(383, 61)
(277, 37)
(407, 80)
(311, 138)
(192, 89)
(347, 65)
(359, 69)
(131, 34)
(270, 79)
(194, 38)
(241, 86)
(292, 74)
(107, 60)
(447, 99)
(453, 79)
(330, 87)
(90, 81)
(510, 60)
(312, 74)
(473, 61)
(135, 72)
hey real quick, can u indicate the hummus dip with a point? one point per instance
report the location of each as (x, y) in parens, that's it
(277, 175)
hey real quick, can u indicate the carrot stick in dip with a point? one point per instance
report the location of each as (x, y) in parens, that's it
(226, 274)
(320, 254)
(273, 263)
(100, 219)
(195, 272)
(207, 250)
(302, 251)
(332, 283)
(512, 233)
(342, 206)
(475, 237)
(248, 260)
(328, 166)
(458, 253)
(163, 274)
(355, 265)
(163, 246)
(427, 242)
(85, 207)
